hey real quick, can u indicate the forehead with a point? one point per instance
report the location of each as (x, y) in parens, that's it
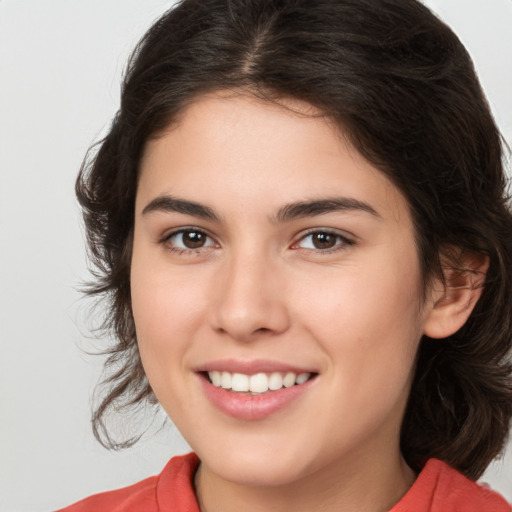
(228, 143)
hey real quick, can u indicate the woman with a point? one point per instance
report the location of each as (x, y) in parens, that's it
(299, 221)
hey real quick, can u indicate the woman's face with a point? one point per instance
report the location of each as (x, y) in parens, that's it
(268, 252)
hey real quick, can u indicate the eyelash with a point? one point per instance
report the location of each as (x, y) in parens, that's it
(342, 242)
(166, 240)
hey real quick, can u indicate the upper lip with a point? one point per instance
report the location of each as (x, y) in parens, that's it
(251, 367)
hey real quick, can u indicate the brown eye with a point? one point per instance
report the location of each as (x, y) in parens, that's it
(189, 239)
(193, 239)
(323, 240)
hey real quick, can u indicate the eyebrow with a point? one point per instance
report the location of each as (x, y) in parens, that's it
(173, 204)
(289, 212)
(312, 208)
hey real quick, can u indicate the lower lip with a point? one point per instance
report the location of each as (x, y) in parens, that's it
(252, 407)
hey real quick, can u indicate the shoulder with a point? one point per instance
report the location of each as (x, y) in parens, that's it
(141, 494)
(172, 488)
(440, 488)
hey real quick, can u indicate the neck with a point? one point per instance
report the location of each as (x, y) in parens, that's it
(367, 485)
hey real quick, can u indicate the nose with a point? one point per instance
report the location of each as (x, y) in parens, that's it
(250, 299)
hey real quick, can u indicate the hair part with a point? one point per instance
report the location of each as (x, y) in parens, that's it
(402, 87)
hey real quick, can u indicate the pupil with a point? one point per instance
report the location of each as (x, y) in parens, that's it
(193, 239)
(323, 240)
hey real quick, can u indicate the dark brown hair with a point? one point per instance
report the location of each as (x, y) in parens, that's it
(402, 86)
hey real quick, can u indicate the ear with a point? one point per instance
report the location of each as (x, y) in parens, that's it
(453, 301)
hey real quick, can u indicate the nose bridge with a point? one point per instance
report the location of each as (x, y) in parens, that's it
(249, 298)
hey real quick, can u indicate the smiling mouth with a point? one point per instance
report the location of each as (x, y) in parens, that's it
(258, 383)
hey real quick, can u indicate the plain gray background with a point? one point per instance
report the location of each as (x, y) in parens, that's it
(60, 68)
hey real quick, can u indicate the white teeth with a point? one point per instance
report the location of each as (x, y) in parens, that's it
(302, 377)
(257, 383)
(240, 382)
(289, 380)
(225, 380)
(216, 378)
(275, 381)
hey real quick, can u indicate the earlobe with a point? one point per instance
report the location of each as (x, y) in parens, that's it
(452, 302)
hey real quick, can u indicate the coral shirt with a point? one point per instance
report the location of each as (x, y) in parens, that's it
(438, 488)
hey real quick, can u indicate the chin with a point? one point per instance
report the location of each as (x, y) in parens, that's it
(260, 466)
(269, 473)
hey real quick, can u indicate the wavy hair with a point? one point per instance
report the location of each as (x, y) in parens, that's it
(402, 86)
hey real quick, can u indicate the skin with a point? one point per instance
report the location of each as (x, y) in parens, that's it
(259, 288)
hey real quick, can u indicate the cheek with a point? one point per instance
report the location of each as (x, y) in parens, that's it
(165, 299)
(367, 318)
(166, 308)
(165, 320)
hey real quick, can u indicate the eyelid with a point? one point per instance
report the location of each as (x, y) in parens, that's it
(184, 229)
(345, 239)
